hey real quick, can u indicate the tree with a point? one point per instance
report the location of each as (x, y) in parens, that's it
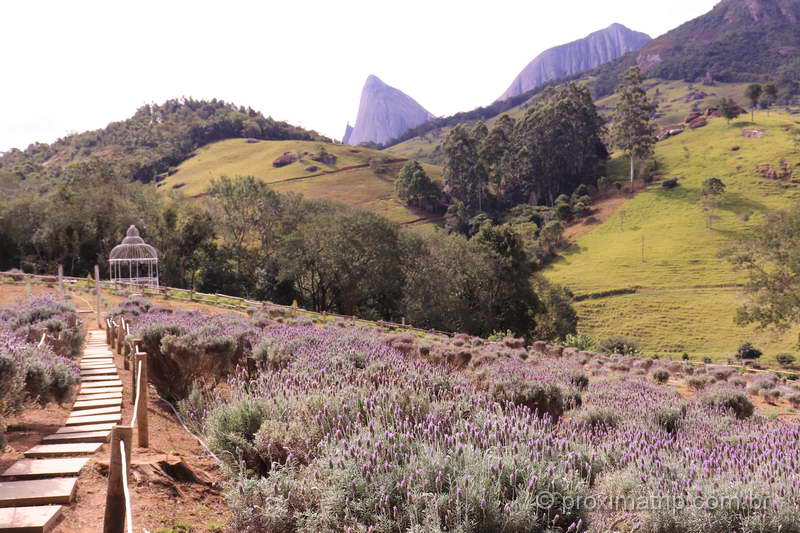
(632, 131)
(713, 189)
(730, 109)
(556, 147)
(465, 175)
(415, 188)
(770, 255)
(753, 92)
(248, 215)
(347, 262)
(770, 95)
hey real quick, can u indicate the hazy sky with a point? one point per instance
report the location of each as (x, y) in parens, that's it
(70, 66)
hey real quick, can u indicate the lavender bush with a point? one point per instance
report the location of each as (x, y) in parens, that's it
(29, 373)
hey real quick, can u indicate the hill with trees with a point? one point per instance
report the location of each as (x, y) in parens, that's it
(157, 138)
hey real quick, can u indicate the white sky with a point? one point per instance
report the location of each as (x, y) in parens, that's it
(76, 65)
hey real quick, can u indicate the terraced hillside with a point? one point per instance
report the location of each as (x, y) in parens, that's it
(657, 244)
(355, 176)
(675, 99)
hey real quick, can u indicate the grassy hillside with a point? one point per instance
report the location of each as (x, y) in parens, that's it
(359, 177)
(686, 295)
(675, 99)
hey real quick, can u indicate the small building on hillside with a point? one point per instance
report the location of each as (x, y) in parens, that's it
(134, 262)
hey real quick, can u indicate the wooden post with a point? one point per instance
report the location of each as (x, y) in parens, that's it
(126, 356)
(61, 282)
(143, 431)
(97, 294)
(133, 382)
(114, 521)
(108, 332)
(120, 335)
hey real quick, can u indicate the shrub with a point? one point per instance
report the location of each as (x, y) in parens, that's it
(660, 375)
(669, 419)
(748, 351)
(794, 399)
(597, 416)
(618, 345)
(730, 400)
(696, 383)
(231, 434)
(579, 380)
(579, 341)
(543, 398)
(785, 359)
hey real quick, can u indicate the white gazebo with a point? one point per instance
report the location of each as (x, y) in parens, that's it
(134, 262)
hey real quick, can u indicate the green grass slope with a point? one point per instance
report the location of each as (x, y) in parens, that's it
(360, 177)
(686, 295)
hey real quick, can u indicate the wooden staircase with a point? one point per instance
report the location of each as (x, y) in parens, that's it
(34, 490)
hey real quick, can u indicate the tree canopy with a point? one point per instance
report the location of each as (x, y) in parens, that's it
(770, 256)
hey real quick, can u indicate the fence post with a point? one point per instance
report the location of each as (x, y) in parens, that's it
(133, 382)
(61, 281)
(126, 356)
(143, 431)
(108, 332)
(97, 295)
(120, 335)
(114, 520)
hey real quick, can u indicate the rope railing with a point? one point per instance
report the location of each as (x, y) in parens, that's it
(119, 507)
(126, 491)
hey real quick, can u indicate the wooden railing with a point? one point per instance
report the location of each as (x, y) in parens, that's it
(119, 514)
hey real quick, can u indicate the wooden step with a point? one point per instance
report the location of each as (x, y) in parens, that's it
(102, 402)
(90, 391)
(98, 372)
(98, 364)
(83, 436)
(98, 396)
(95, 356)
(33, 468)
(86, 427)
(40, 519)
(96, 419)
(58, 490)
(108, 382)
(63, 450)
(85, 380)
(97, 411)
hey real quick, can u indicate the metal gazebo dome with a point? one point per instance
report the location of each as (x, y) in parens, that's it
(134, 262)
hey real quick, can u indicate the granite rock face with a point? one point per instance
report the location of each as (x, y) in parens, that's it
(578, 56)
(384, 113)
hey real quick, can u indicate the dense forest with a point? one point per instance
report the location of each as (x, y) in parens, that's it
(155, 139)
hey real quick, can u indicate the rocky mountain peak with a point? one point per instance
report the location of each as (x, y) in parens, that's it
(572, 58)
(384, 113)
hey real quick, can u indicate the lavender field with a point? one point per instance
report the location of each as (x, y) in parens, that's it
(326, 426)
(30, 373)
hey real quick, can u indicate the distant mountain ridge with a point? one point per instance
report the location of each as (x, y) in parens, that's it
(384, 113)
(578, 56)
(738, 40)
